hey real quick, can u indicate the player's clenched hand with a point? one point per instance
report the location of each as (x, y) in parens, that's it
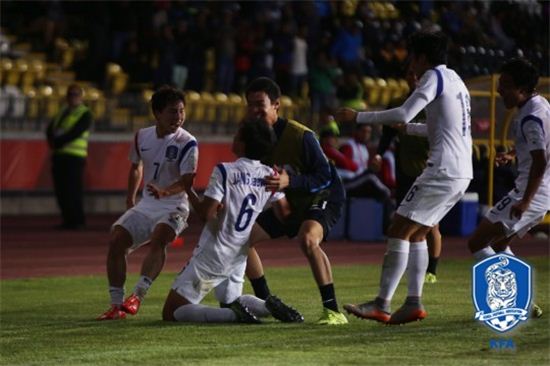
(503, 159)
(277, 181)
(346, 115)
(156, 191)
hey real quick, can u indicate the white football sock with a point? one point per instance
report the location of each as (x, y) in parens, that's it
(416, 270)
(142, 286)
(117, 295)
(255, 305)
(484, 253)
(395, 263)
(197, 313)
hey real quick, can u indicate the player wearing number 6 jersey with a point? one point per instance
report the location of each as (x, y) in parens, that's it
(234, 198)
(446, 101)
(524, 206)
(164, 155)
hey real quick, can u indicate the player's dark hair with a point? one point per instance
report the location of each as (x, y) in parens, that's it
(523, 72)
(433, 45)
(266, 85)
(258, 138)
(164, 96)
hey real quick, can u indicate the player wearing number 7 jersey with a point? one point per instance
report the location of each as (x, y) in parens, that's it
(446, 101)
(234, 198)
(164, 155)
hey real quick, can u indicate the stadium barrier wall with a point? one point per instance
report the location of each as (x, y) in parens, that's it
(26, 183)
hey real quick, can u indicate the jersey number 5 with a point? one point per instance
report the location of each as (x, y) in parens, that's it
(245, 213)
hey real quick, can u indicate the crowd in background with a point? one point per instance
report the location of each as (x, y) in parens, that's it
(326, 45)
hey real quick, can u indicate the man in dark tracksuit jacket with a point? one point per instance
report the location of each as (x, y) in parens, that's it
(312, 187)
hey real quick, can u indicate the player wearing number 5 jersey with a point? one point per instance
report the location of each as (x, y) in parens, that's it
(164, 155)
(234, 198)
(446, 101)
(524, 206)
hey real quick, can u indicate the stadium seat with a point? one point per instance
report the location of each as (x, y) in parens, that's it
(237, 108)
(193, 107)
(223, 112)
(286, 107)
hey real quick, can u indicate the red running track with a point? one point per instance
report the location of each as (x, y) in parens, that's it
(31, 247)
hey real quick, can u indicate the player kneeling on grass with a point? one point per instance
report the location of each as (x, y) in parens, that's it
(235, 196)
(525, 206)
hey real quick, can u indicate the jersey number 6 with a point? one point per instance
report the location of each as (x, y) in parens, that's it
(245, 213)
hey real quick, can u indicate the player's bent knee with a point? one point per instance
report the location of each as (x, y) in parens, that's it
(309, 244)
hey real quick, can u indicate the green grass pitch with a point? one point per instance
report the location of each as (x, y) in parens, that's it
(50, 321)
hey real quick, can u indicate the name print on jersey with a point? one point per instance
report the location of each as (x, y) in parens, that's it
(246, 179)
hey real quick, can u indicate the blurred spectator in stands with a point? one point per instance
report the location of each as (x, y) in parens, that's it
(283, 44)
(328, 139)
(322, 89)
(298, 66)
(67, 136)
(225, 53)
(364, 181)
(166, 48)
(348, 44)
(135, 63)
(350, 91)
(181, 37)
(124, 26)
(244, 53)
(200, 40)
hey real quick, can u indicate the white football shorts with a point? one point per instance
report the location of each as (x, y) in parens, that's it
(194, 282)
(430, 198)
(534, 214)
(140, 221)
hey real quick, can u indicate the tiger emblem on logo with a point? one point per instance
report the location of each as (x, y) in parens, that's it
(501, 286)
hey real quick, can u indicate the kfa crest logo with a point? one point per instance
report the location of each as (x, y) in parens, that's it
(501, 291)
(171, 153)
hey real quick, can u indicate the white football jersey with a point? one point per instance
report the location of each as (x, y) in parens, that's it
(165, 160)
(531, 130)
(240, 187)
(442, 93)
(448, 121)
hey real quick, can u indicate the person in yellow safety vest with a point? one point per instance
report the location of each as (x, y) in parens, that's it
(67, 136)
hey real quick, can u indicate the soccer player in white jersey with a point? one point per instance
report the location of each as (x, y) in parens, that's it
(446, 101)
(524, 206)
(164, 155)
(234, 198)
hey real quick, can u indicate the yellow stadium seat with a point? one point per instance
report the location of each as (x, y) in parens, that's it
(286, 108)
